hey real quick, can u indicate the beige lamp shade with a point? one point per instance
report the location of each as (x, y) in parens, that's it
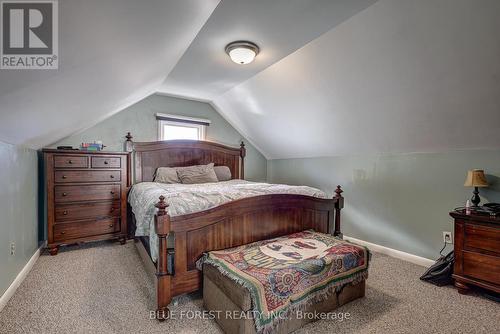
(476, 178)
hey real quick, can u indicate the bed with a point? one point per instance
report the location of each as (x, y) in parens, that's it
(182, 238)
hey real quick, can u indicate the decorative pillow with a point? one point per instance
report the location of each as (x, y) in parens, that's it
(166, 175)
(197, 174)
(223, 173)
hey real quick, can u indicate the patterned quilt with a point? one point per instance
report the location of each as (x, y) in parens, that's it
(190, 198)
(287, 273)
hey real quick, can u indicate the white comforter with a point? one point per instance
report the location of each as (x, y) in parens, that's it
(189, 198)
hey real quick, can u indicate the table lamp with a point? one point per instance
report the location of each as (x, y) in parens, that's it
(475, 178)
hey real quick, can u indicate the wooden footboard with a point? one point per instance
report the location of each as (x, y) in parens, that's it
(183, 239)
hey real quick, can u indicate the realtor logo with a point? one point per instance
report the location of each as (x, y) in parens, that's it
(29, 34)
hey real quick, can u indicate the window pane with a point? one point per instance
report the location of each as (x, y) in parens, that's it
(180, 132)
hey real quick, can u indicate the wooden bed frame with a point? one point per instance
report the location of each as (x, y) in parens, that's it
(183, 239)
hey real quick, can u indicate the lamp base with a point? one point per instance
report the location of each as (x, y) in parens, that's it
(475, 198)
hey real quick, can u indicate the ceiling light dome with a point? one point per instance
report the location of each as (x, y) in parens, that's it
(242, 52)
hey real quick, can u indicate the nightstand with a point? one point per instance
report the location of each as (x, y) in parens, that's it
(477, 251)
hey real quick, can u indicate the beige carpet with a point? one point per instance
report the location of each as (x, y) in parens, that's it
(103, 289)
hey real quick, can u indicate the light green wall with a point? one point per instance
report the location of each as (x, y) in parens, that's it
(399, 201)
(18, 210)
(140, 120)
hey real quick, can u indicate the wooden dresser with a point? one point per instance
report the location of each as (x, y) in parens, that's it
(86, 196)
(477, 252)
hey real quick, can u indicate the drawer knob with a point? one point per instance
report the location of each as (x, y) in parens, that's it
(70, 161)
(112, 192)
(62, 232)
(65, 212)
(106, 162)
(112, 176)
(65, 194)
(64, 176)
(110, 225)
(112, 209)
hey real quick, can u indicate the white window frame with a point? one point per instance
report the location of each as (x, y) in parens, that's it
(182, 121)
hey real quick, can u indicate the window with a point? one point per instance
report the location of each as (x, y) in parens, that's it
(180, 127)
(177, 130)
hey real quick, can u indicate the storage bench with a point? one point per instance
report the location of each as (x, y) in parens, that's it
(229, 300)
(279, 285)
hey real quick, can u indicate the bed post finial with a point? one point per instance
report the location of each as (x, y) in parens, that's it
(128, 143)
(338, 191)
(339, 204)
(243, 153)
(162, 205)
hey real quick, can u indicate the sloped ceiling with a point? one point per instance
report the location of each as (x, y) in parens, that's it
(279, 27)
(112, 53)
(401, 76)
(334, 77)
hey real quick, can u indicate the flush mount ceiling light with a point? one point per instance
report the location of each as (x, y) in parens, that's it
(242, 52)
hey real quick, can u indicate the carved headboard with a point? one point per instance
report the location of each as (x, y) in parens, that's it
(148, 156)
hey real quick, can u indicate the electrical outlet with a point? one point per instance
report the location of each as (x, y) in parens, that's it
(12, 248)
(447, 237)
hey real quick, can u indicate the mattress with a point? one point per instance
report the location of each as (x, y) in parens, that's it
(190, 198)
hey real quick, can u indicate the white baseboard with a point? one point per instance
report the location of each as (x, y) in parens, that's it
(421, 261)
(4, 299)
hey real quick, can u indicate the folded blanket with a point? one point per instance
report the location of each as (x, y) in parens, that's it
(288, 273)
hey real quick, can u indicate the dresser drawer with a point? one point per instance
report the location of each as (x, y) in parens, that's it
(482, 237)
(482, 266)
(82, 229)
(87, 210)
(64, 194)
(106, 162)
(71, 161)
(68, 176)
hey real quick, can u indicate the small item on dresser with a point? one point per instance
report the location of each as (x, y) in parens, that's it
(489, 209)
(67, 148)
(467, 207)
(493, 208)
(95, 146)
